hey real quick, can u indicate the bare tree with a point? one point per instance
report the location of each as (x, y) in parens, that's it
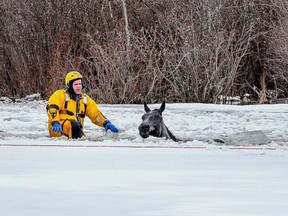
(130, 51)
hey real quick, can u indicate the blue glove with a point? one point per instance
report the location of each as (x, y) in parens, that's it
(112, 127)
(57, 128)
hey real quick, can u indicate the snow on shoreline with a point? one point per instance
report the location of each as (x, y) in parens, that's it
(195, 124)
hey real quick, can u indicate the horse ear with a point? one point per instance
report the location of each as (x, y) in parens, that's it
(146, 108)
(162, 108)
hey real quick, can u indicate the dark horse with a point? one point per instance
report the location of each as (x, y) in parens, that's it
(153, 124)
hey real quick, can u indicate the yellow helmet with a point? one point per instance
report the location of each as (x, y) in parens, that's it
(72, 75)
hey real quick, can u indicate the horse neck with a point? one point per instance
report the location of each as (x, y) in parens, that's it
(165, 132)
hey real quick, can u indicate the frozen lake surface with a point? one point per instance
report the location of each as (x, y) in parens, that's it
(108, 174)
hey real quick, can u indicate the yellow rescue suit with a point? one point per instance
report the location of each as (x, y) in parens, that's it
(64, 110)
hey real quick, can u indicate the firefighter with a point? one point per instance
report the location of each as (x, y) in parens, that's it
(68, 107)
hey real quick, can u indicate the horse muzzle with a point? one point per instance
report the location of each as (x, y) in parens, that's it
(144, 130)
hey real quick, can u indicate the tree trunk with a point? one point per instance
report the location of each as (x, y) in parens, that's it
(262, 93)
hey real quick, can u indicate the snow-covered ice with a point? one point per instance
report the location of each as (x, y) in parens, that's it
(115, 175)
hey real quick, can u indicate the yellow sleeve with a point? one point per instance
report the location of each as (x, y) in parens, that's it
(93, 112)
(54, 105)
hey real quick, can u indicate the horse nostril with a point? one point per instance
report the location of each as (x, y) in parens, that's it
(144, 127)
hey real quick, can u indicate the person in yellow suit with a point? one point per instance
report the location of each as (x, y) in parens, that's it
(67, 109)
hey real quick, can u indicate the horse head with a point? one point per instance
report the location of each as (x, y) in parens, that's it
(153, 124)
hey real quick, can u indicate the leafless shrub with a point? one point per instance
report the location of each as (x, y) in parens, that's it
(130, 51)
